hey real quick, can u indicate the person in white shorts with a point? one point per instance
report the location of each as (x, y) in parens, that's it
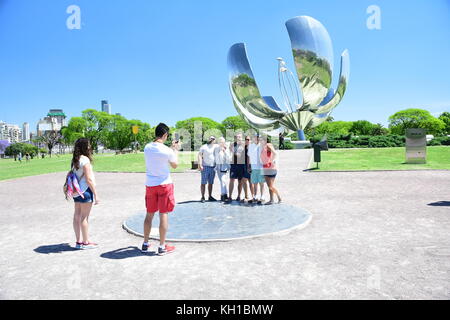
(223, 158)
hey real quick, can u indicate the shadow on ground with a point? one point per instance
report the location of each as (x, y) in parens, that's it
(124, 253)
(233, 203)
(55, 248)
(440, 204)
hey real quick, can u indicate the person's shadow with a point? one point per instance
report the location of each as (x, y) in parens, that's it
(124, 253)
(55, 248)
(440, 204)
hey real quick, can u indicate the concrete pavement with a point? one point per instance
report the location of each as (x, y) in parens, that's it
(374, 235)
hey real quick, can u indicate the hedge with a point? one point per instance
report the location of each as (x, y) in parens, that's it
(350, 141)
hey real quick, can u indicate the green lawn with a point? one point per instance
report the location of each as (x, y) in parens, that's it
(10, 169)
(438, 157)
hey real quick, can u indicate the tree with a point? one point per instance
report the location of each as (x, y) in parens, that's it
(23, 148)
(3, 145)
(13, 150)
(379, 130)
(366, 128)
(333, 127)
(118, 135)
(207, 124)
(76, 128)
(32, 150)
(361, 128)
(97, 124)
(445, 117)
(415, 118)
(235, 123)
(50, 139)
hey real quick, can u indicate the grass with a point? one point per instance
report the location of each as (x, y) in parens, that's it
(333, 160)
(10, 169)
(438, 157)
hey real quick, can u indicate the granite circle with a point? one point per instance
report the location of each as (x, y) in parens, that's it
(215, 221)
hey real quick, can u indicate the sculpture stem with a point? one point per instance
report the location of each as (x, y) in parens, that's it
(301, 135)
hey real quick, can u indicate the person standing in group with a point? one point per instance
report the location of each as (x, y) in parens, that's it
(159, 194)
(206, 164)
(82, 167)
(246, 176)
(281, 141)
(256, 170)
(222, 158)
(269, 159)
(237, 169)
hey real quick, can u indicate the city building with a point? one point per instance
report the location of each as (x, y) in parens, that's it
(10, 132)
(26, 132)
(106, 107)
(54, 121)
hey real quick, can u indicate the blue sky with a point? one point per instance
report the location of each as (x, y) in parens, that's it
(166, 60)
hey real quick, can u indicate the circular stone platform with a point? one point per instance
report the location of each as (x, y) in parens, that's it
(215, 221)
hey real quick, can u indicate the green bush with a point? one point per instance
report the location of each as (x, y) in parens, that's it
(350, 141)
(387, 141)
(288, 145)
(439, 141)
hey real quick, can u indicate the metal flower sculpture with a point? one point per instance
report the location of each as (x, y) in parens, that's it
(307, 103)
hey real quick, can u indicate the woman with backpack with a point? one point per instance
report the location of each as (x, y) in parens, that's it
(84, 192)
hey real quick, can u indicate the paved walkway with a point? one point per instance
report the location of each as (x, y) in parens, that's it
(374, 235)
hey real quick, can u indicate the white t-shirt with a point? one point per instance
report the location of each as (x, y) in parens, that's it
(80, 173)
(207, 151)
(254, 152)
(157, 158)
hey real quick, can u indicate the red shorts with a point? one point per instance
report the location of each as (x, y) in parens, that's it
(160, 198)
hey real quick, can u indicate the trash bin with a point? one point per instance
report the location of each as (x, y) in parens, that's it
(317, 152)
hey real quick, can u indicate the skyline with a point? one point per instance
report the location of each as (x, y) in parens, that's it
(168, 67)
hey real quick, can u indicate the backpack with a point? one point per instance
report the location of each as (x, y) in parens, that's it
(72, 184)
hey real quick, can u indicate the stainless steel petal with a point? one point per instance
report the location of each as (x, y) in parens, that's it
(244, 89)
(298, 120)
(272, 103)
(319, 119)
(313, 57)
(254, 121)
(343, 81)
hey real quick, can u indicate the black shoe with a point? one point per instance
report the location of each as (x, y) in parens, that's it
(238, 199)
(227, 200)
(211, 199)
(222, 198)
(144, 248)
(202, 200)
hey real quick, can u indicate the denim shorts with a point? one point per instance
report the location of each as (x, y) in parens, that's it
(208, 175)
(257, 176)
(88, 197)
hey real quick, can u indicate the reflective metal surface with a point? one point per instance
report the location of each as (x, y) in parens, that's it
(215, 221)
(416, 145)
(244, 90)
(307, 102)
